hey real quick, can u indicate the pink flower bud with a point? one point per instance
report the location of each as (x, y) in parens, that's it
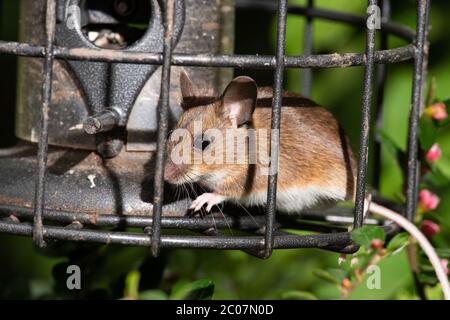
(444, 264)
(434, 153)
(342, 258)
(377, 244)
(429, 228)
(346, 284)
(437, 111)
(428, 200)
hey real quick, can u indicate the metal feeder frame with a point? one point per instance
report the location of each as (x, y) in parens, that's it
(71, 226)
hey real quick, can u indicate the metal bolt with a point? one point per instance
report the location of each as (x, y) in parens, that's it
(101, 122)
(92, 125)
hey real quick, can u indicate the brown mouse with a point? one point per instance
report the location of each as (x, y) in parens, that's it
(316, 164)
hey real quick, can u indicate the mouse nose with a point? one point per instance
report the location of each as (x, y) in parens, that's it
(171, 171)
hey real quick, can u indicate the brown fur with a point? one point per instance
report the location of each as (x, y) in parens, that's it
(314, 151)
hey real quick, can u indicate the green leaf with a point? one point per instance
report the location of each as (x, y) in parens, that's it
(202, 289)
(443, 253)
(394, 279)
(431, 95)
(391, 175)
(442, 167)
(445, 122)
(298, 295)
(364, 236)
(426, 278)
(428, 132)
(132, 285)
(398, 241)
(435, 178)
(434, 292)
(427, 268)
(140, 26)
(329, 276)
(153, 295)
(338, 274)
(446, 102)
(388, 141)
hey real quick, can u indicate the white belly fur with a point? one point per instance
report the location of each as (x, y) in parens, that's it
(298, 199)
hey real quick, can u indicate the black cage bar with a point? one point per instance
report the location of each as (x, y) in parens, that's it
(267, 236)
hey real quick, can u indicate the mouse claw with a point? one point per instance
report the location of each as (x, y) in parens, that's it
(210, 199)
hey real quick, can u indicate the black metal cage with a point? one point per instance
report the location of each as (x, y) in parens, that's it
(71, 226)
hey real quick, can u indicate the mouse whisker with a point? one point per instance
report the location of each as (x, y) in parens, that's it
(177, 192)
(226, 220)
(186, 192)
(214, 221)
(249, 214)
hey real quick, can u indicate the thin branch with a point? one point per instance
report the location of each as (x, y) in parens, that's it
(422, 241)
(360, 274)
(412, 258)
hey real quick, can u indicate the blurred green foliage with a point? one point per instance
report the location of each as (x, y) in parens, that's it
(119, 272)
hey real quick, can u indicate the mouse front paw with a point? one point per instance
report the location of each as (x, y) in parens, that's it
(210, 199)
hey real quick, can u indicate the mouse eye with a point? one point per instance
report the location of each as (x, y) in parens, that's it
(201, 142)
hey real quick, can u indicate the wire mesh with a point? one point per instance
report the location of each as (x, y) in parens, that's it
(266, 238)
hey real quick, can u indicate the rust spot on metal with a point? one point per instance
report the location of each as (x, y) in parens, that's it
(5, 199)
(210, 26)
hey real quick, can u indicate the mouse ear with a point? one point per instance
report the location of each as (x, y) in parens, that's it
(239, 100)
(189, 90)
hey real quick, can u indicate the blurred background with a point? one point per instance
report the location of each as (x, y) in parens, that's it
(108, 272)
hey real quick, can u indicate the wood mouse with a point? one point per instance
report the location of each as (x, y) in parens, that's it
(316, 168)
